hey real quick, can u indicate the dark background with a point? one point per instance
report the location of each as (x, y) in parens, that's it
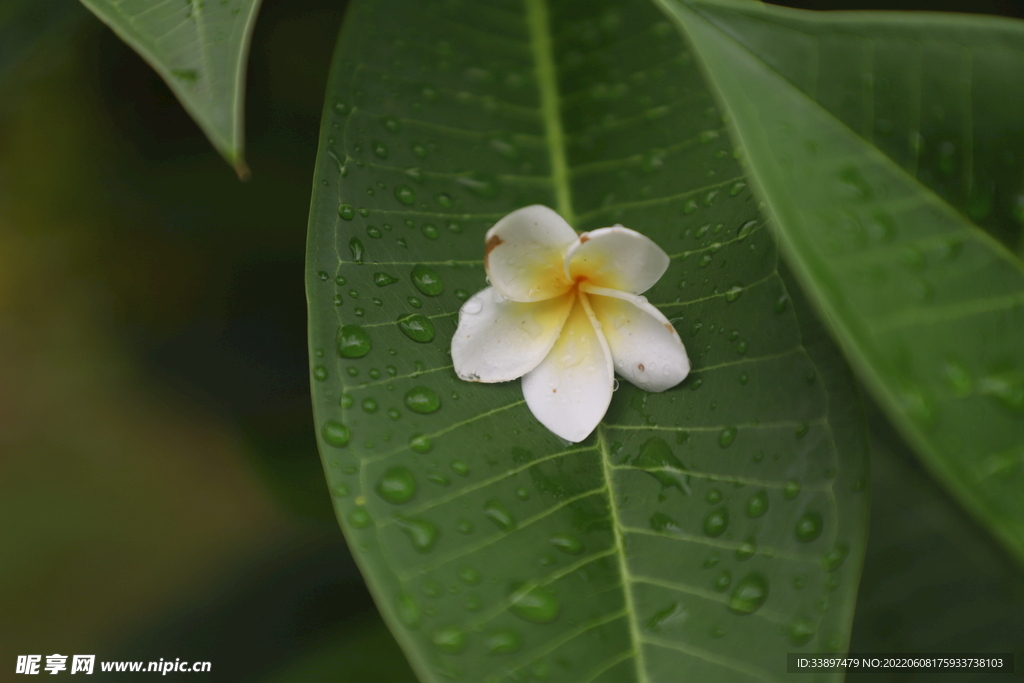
(160, 491)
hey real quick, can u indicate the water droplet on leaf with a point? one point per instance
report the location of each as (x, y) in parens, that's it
(416, 327)
(749, 595)
(808, 527)
(427, 280)
(758, 504)
(567, 543)
(422, 533)
(422, 400)
(336, 434)
(539, 605)
(449, 640)
(397, 485)
(716, 522)
(353, 341)
(499, 514)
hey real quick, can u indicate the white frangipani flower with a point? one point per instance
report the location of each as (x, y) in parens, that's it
(562, 311)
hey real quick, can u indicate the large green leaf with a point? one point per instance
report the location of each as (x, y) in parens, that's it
(666, 546)
(200, 48)
(872, 137)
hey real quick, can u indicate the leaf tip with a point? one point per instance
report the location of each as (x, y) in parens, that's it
(242, 169)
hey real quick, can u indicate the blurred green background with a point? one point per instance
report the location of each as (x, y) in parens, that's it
(160, 492)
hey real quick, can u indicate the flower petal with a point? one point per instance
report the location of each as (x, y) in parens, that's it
(525, 251)
(499, 340)
(645, 348)
(616, 258)
(570, 390)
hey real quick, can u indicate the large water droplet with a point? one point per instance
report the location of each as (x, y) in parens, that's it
(347, 212)
(383, 279)
(397, 485)
(758, 504)
(405, 194)
(353, 341)
(538, 605)
(808, 527)
(336, 434)
(791, 490)
(499, 514)
(567, 543)
(320, 373)
(427, 281)
(422, 400)
(750, 594)
(733, 293)
(416, 327)
(355, 246)
(727, 436)
(422, 533)
(716, 522)
(503, 642)
(408, 610)
(449, 640)
(420, 444)
(656, 454)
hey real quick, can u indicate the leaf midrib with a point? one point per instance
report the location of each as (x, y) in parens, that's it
(539, 28)
(538, 25)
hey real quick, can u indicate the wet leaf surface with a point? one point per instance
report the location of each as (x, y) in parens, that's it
(699, 532)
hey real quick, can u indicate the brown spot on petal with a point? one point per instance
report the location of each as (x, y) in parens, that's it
(490, 246)
(584, 237)
(640, 367)
(669, 328)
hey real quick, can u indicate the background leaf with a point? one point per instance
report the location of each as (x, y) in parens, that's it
(933, 580)
(872, 137)
(26, 23)
(495, 551)
(200, 49)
